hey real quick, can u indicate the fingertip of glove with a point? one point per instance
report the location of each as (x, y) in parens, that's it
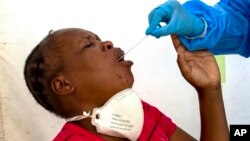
(148, 31)
(156, 34)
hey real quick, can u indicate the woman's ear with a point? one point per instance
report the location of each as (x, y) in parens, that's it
(61, 85)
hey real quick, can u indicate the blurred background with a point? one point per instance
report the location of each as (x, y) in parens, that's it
(157, 77)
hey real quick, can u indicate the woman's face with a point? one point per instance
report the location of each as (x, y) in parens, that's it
(92, 65)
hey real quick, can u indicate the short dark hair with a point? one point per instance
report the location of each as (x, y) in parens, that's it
(42, 65)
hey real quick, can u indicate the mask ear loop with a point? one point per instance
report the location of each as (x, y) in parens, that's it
(80, 117)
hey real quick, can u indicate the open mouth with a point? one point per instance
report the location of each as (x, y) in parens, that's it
(120, 57)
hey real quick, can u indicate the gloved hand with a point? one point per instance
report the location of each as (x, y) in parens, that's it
(178, 21)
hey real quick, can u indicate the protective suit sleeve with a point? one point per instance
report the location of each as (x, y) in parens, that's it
(227, 27)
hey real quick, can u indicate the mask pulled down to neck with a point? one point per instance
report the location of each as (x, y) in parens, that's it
(121, 116)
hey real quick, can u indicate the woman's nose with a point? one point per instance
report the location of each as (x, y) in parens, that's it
(107, 45)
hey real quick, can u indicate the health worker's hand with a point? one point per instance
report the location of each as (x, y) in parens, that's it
(199, 68)
(178, 21)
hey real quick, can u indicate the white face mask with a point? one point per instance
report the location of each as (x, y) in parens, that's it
(121, 116)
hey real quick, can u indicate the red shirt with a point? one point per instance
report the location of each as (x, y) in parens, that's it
(156, 127)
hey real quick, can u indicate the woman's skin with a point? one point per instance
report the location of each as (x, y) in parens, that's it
(92, 74)
(201, 70)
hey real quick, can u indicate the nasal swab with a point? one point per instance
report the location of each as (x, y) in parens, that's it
(133, 47)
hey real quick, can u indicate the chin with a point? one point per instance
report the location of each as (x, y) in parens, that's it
(125, 80)
(129, 83)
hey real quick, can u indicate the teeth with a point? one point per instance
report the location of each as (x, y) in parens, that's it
(121, 57)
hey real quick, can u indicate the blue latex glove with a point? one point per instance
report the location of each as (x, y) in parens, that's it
(178, 21)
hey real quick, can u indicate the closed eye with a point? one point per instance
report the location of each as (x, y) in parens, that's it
(89, 45)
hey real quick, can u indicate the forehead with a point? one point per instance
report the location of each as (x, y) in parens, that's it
(73, 33)
(72, 38)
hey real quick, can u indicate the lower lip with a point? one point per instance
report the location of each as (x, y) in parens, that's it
(127, 62)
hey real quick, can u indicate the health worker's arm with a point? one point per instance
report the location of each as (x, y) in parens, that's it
(228, 27)
(200, 69)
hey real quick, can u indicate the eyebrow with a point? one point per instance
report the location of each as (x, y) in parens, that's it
(97, 37)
